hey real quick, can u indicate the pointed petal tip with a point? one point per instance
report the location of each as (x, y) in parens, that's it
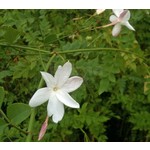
(129, 26)
(78, 106)
(81, 79)
(55, 121)
(66, 99)
(68, 62)
(42, 72)
(99, 11)
(30, 104)
(133, 29)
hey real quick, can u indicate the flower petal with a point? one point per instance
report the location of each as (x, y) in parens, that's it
(66, 99)
(117, 12)
(99, 11)
(125, 16)
(58, 72)
(127, 24)
(72, 84)
(55, 109)
(113, 18)
(49, 79)
(39, 97)
(116, 29)
(62, 74)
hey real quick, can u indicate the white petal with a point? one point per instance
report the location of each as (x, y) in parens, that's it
(49, 79)
(113, 18)
(58, 72)
(72, 84)
(125, 16)
(66, 99)
(55, 109)
(99, 11)
(116, 29)
(127, 24)
(39, 97)
(62, 74)
(117, 12)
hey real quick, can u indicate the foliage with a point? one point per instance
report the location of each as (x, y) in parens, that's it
(115, 95)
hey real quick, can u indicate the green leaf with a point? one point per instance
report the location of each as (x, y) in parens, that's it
(18, 112)
(11, 35)
(104, 84)
(4, 74)
(50, 38)
(112, 78)
(3, 124)
(2, 94)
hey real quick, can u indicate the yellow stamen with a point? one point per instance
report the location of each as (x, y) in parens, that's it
(55, 88)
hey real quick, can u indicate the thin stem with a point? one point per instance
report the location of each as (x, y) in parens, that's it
(33, 111)
(94, 40)
(73, 51)
(61, 57)
(98, 49)
(107, 25)
(41, 60)
(9, 122)
(92, 49)
(26, 48)
(5, 117)
(85, 135)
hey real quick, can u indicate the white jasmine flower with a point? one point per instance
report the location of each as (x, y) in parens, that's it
(57, 91)
(99, 11)
(120, 18)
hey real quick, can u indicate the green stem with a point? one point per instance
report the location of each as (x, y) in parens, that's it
(5, 117)
(93, 49)
(9, 122)
(26, 48)
(98, 49)
(33, 111)
(85, 135)
(72, 51)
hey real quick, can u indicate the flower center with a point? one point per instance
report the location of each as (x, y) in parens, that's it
(55, 88)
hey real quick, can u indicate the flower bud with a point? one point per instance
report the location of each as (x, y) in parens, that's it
(43, 129)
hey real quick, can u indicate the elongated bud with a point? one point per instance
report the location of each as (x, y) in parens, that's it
(43, 129)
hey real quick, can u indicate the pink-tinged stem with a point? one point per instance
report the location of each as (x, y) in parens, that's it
(43, 129)
(107, 25)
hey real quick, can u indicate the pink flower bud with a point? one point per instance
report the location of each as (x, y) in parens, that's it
(43, 129)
